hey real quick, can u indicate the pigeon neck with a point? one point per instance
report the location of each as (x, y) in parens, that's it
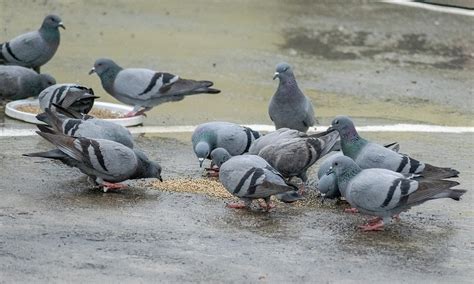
(351, 142)
(50, 35)
(108, 77)
(32, 86)
(289, 83)
(345, 177)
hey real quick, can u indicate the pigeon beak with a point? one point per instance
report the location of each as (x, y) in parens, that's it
(276, 75)
(92, 71)
(61, 25)
(330, 171)
(160, 178)
(201, 160)
(330, 129)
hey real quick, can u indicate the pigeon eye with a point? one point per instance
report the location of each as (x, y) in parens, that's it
(336, 122)
(336, 163)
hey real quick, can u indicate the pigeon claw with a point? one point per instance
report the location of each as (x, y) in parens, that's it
(236, 205)
(266, 206)
(106, 186)
(351, 210)
(378, 226)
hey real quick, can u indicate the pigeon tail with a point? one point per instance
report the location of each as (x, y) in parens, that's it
(456, 194)
(431, 171)
(70, 113)
(289, 197)
(46, 129)
(43, 117)
(55, 154)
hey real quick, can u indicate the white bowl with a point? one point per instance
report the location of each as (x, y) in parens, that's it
(12, 111)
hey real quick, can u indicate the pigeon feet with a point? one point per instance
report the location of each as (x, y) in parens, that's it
(132, 114)
(378, 226)
(266, 206)
(213, 171)
(374, 220)
(106, 186)
(236, 205)
(351, 210)
(396, 218)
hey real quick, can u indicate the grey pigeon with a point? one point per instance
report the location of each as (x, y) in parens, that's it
(289, 107)
(234, 138)
(33, 49)
(145, 88)
(278, 135)
(371, 155)
(293, 157)
(384, 193)
(18, 82)
(70, 96)
(327, 184)
(249, 177)
(89, 128)
(105, 162)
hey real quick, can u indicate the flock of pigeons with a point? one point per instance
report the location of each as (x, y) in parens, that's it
(376, 180)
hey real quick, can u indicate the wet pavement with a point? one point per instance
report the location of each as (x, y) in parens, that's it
(54, 227)
(377, 62)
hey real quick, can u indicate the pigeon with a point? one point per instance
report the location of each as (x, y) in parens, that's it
(371, 155)
(89, 128)
(33, 49)
(384, 193)
(281, 134)
(106, 162)
(70, 96)
(249, 177)
(327, 184)
(145, 88)
(289, 107)
(234, 138)
(18, 82)
(292, 157)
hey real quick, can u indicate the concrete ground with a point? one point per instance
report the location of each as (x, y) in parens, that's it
(378, 62)
(55, 228)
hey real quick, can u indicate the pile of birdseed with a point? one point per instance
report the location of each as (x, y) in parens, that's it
(95, 112)
(208, 187)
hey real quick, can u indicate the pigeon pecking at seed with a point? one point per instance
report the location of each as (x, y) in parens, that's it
(384, 193)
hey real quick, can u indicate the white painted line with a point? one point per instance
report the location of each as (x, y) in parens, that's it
(11, 132)
(452, 10)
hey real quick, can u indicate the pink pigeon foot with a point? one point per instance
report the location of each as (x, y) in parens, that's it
(374, 220)
(106, 186)
(236, 205)
(396, 218)
(351, 210)
(266, 206)
(378, 226)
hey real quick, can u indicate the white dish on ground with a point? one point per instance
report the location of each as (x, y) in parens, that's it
(12, 111)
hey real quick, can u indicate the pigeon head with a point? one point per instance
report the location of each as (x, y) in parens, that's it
(202, 151)
(103, 65)
(344, 125)
(327, 186)
(344, 168)
(283, 71)
(147, 168)
(220, 156)
(46, 80)
(52, 22)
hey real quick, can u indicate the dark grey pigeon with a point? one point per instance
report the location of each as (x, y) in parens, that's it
(33, 49)
(236, 139)
(145, 88)
(18, 83)
(384, 193)
(249, 177)
(278, 135)
(106, 162)
(293, 157)
(70, 96)
(371, 155)
(89, 128)
(327, 184)
(289, 107)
